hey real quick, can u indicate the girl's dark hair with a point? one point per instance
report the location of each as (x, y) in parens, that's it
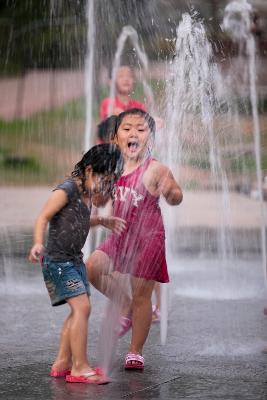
(106, 128)
(103, 158)
(136, 111)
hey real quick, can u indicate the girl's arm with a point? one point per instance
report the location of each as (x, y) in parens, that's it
(160, 181)
(116, 224)
(56, 201)
(170, 189)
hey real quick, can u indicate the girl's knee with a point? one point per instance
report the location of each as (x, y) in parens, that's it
(91, 273)
(139, 299)
(80, 305)
(98, 265)
(89, 267)
(86, 309)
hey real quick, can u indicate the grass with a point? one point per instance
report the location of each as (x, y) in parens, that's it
(43, 148)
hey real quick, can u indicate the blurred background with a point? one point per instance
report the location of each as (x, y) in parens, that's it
(43, 47)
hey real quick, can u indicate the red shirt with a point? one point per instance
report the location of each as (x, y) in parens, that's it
(104, 106)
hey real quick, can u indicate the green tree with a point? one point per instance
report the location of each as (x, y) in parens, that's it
(42, 34)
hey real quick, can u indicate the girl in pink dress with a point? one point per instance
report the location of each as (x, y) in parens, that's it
(140, 249)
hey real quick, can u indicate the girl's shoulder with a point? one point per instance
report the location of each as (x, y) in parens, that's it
(156, 168)
(69, 186)
(153, 175)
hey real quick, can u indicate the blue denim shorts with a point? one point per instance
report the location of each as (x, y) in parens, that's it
(64, 280)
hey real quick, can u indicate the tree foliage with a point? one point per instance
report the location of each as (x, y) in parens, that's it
(53, 33)
(42, 34)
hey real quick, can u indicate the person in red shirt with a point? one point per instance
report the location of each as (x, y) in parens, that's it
(123, 88)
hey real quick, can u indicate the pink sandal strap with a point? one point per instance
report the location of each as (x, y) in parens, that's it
(134, 361)
(59, 374)
(155, 313)
(96, 376)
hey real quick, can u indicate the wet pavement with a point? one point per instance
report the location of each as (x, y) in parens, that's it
(216, 333)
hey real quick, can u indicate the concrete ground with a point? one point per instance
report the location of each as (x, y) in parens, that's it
(216, 333)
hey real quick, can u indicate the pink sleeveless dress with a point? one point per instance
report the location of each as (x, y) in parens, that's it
(140, 249)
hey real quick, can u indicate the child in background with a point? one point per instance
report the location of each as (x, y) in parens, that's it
(105, 130)
(68, 213)
(140, 249)
(123, 89)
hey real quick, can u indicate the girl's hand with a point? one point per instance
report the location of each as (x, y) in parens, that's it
(159, 181)
(36, 252)
(116, 224)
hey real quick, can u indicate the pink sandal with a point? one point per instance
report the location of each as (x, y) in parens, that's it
(125, 324)
(134, 361)
(155, 313)
(89, 377)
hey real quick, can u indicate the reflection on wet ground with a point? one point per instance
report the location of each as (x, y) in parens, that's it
(216, 334)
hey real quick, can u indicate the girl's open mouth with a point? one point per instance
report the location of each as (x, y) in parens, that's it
(132, 146)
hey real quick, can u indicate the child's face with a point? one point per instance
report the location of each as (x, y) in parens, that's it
(124, 81)
(133, 137)
(101, 190)
(98, 183)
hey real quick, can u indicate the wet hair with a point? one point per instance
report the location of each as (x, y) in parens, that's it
(106, 128)
(141, 113)
(103, 158)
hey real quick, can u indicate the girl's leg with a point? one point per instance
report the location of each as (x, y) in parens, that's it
(63, 361)
(77, 330)
(141, 313)
(111, 284)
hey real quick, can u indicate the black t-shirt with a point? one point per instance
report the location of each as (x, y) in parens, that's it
(69, 228)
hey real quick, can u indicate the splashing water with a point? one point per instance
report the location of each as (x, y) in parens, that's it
(237, 21)
(89, 76)
(195, 99)
(201, 114)
(194, 96)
